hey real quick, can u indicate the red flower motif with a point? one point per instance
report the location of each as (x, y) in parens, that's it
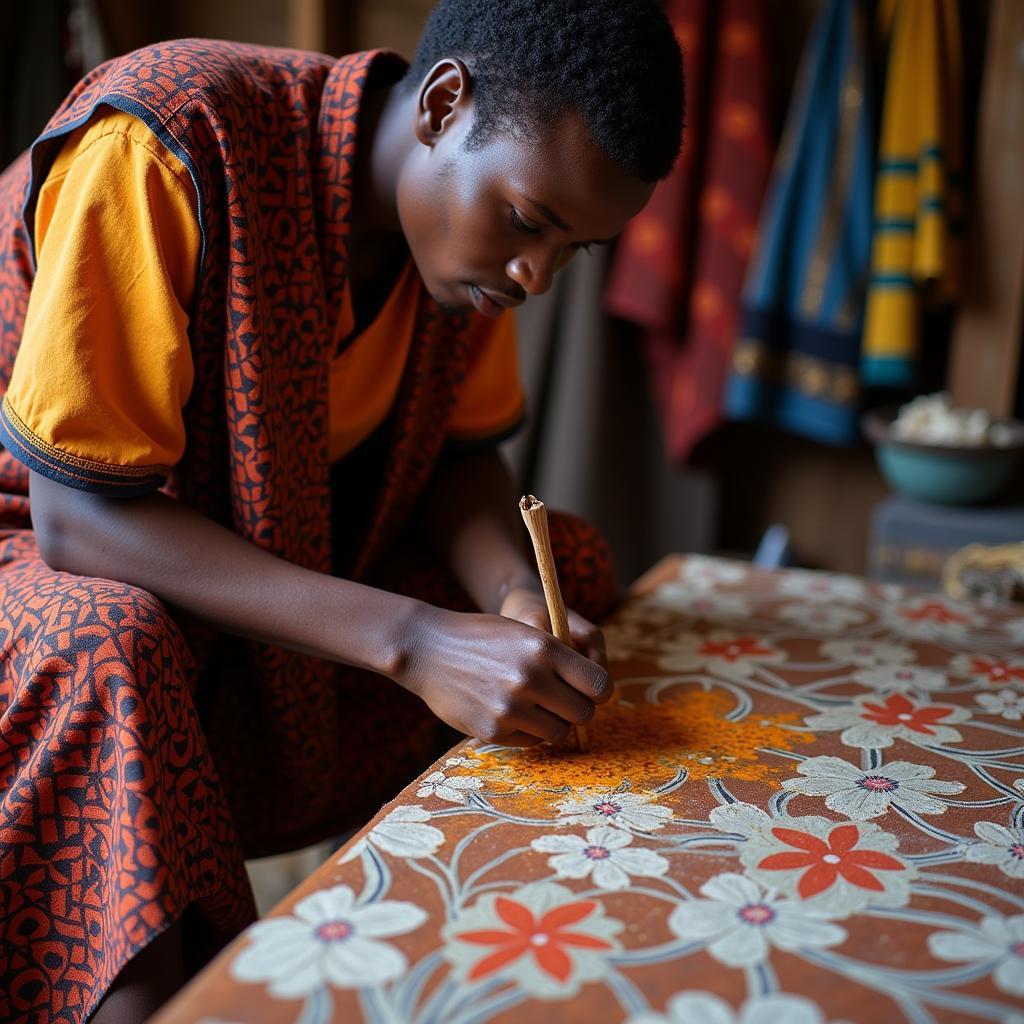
(998, 672)
(933, 611)
(545, 938)
(898, 710)
(826, 861)
(733, 650)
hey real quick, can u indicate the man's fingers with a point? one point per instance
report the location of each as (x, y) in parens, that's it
(588, 639)
(569, 704)
(582, 674)
(546, 725)
(538, 620)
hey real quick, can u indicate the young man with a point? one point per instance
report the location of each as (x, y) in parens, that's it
(258, 349)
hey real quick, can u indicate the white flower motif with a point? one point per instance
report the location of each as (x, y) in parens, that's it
(867, 653)
(872, 723)
(901, 678)
(402, 834)
(453, 788)
(542, 937)
(743, 923)
(999, 845)
(604, 853)
(707, 1008)
(703, 573)
(822, 586)
(836, 868)
(867, 793)
(999, 940)
(637, 627)
(822, 618)
(328, 941)
(729, 655)
(749, 821)
(630, 811)
(988, 670)
(931, 618)
(1005, 703)
(703, 604)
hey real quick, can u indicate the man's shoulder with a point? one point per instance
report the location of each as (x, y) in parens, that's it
(208, 70)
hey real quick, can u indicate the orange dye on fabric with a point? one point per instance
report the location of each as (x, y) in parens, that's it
(644, 745)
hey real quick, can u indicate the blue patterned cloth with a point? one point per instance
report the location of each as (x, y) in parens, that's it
(795, 364)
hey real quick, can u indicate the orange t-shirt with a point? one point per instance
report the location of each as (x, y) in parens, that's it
(105, 367)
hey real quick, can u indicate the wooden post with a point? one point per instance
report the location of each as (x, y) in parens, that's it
(986, 355)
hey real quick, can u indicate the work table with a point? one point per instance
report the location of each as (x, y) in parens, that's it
(804, 807)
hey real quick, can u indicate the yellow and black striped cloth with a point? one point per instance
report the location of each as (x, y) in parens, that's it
(919, 202)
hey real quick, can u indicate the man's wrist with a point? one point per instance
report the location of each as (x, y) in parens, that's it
(368, 628)
(403, 637)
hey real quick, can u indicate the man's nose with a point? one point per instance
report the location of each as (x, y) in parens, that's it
(533, 272)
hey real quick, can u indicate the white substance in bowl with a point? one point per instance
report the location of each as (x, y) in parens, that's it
(933, 419)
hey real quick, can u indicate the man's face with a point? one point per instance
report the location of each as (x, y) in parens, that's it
(489, 227)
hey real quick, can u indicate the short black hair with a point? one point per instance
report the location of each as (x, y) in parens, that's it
(617, 62)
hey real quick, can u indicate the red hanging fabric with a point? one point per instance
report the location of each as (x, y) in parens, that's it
(679, 268)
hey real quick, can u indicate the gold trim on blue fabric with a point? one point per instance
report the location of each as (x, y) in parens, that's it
(809, 375)
(850, 107)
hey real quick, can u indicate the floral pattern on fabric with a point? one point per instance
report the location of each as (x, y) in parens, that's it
(328, 941)
(872, 875)
(544, 938)
(874, 723)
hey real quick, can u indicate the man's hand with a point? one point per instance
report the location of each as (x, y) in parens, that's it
(529, 607)
(499, 680)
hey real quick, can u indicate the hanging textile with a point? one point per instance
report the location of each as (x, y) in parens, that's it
(796, 362)
(679, 266)
(918, 191)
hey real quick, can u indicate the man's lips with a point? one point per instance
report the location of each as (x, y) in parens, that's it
(490, 303)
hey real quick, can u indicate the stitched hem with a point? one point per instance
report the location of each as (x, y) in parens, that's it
(71, 470)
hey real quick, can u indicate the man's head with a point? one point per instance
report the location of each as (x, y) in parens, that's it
(541, 128)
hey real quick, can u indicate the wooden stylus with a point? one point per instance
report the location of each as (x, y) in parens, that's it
(535, 515)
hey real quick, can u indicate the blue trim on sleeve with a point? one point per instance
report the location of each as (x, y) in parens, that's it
(81, 474)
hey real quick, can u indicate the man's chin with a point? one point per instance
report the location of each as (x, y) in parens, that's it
(451, 300)
(455, 309)
(451, 303)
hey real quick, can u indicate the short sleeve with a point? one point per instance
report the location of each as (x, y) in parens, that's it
(491, 406)
(104, 367)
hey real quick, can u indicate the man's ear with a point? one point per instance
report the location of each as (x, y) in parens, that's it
(443, 95)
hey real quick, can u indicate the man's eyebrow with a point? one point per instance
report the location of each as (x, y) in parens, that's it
(553, 218)
(547, 213)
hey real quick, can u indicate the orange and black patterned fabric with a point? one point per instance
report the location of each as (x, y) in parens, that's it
(679, 266)
(140, 758)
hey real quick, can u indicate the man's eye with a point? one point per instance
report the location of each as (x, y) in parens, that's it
(522, 225)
